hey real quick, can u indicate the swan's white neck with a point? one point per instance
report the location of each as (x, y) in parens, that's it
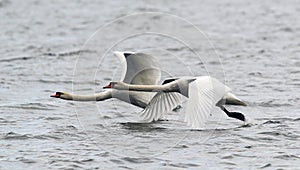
(145, 88)
(170, 87)
(92, 97)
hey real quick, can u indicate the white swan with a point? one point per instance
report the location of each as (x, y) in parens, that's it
(203, 93)
(140, 69)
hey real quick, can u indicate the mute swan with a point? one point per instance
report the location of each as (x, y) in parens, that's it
(140, 69)
(203, 93)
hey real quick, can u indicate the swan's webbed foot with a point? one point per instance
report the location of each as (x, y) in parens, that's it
(236, 115)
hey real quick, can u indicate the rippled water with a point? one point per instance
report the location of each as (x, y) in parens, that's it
(258, 45)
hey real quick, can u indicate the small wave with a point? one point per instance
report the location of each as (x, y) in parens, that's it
(51, 81)
(277, 133)
(98, 125)
(176, 49)
(295, 71)
(66, 131)
(266, 166)
(87, 160)
(287, 157)
(124, 167)
(4, 121)
(181, 146)
(68, 53)
(272, 104)
(258, 74)
(279, 120)
(272, 122)
(267, 139)
(32, 106)
(53, 118)
(244, 156)
(250, 85)
(16, 136)
(286, 29)
(141, 127)
(227, 157)
(106, 117)
(183, 165)
(228, 163)
(246, 125)
(214, 62)
(137, 160)
(46, 137)
(64, 82)
(249, 138)
(116, 161)
(71, 127)
(297, 119)
(25, 160)
(261, 51)
(260, 139)
(16, 59)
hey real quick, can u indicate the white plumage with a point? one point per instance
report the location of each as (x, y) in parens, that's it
(203, 94)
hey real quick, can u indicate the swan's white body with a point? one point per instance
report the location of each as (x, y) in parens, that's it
(203, 93)
(140, 69)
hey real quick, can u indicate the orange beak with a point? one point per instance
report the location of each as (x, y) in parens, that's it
(55, 95)
(107, 87)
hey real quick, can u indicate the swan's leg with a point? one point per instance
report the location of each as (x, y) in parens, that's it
(236, 115)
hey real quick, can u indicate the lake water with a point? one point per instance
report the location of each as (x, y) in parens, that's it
(49, 46)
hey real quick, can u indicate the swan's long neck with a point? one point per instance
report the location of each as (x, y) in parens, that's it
(145, 88)
(95, 97)
(171, 87)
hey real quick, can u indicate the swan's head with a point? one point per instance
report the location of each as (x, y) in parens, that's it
(116, 85)
(61, 95)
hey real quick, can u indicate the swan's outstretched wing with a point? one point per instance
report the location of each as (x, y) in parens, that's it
(142, 69)
(204, 93)
(161, 104)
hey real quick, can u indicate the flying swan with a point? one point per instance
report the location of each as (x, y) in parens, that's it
(140, 69)
(203, 93)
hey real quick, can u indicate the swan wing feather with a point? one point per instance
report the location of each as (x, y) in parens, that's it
(161, 104)
(140, 68)
(204, 93)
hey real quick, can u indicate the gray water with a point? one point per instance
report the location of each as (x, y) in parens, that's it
(47, 46)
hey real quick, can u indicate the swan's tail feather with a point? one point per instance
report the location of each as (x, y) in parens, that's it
(231, 99)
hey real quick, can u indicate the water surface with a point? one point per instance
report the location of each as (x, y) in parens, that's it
(258, 45)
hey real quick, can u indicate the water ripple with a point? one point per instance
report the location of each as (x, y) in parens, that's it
(287, 157)
(266, 166)
(31, 106)
(138, 160)
(69, 53)
(16, 136)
